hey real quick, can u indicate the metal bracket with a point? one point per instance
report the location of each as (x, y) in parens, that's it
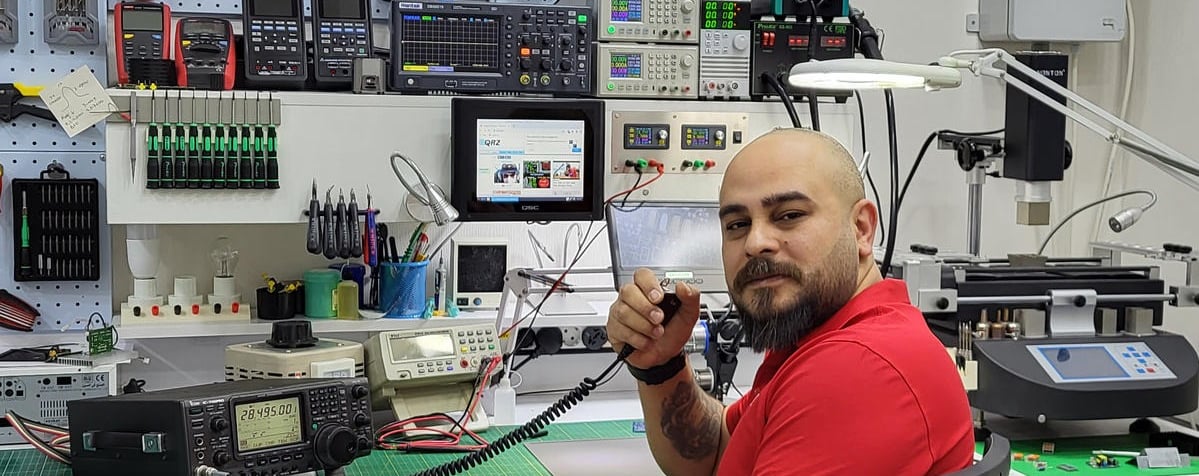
(923, 278)
(1072, 313)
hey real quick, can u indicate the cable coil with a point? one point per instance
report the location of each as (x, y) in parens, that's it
(525, 431)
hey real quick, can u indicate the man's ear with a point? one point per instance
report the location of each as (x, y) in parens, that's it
(864, 218)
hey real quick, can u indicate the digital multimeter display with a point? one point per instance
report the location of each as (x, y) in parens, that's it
(141, 20)
(268, 424)
(341, 9)
(205, 28)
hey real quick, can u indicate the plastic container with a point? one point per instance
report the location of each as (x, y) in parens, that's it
(355, 272)
(319, 288)
(347, 300)
(402, 289)
(277, 306)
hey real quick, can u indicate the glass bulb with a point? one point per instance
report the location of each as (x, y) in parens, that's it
(225, 257)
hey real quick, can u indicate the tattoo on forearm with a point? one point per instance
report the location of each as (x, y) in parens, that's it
(690, 423)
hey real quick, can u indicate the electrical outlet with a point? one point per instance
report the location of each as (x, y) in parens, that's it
(972, 22)
(571, 336)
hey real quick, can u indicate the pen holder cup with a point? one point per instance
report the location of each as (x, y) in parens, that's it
(278, 306)
(402, 289)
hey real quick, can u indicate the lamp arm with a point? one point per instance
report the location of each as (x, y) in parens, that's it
(1149, 153)
(1045, 242)
(984, 66)
(419, 176)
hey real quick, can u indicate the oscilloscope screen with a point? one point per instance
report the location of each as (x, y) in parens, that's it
(446, 43)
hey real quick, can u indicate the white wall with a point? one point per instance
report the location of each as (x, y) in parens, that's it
(935, 211)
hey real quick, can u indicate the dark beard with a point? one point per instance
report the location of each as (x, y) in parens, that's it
(823, 293)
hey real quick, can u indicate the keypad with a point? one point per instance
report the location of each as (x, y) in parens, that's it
(281, 37)
(340, 42)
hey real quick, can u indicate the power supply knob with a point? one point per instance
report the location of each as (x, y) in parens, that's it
(663, 135)
(719, 134)
(335, 446)
(219, 424)
(220, 458)
(741, 42)
(359, 391)
(687, 6)
(688, 60)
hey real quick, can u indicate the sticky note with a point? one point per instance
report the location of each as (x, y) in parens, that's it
(78, 101)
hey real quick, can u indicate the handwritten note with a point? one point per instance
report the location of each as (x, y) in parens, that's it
(78, 101)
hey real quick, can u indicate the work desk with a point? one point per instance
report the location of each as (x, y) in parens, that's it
(517, 461)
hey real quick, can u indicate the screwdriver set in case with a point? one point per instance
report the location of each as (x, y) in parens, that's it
(56, 227)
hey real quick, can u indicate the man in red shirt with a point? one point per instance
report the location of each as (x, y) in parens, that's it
(853, 382)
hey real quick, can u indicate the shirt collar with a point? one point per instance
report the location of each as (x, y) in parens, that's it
(887, 291)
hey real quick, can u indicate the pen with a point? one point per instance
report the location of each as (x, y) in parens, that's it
(395, 254)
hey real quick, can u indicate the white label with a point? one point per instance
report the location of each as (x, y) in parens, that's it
(78, 101)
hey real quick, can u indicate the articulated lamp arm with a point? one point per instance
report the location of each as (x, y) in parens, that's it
(1157, 153)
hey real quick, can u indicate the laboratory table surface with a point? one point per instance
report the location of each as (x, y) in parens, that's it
(520, 461)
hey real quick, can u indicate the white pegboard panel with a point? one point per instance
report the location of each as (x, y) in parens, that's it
(380, 9)
(35, 63)
(28, 144)
(63, 305)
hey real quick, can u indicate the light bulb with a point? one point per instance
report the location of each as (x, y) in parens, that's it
(225, 257)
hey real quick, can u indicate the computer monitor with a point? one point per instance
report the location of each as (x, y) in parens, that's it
(527, 160)
(680, 241)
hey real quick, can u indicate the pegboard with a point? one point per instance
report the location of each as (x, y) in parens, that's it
(66, 304)
(380, 9)
(28, 144)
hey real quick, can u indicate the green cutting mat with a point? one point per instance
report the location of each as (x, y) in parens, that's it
(1077, 451)
(516, 461)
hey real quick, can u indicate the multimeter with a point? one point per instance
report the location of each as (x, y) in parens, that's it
(341, 31)
(142, 32)
(276, 54)
(204, 53)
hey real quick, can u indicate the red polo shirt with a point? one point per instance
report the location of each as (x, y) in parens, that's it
(870, 392)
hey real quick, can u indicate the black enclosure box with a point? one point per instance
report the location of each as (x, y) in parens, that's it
(1035, 134)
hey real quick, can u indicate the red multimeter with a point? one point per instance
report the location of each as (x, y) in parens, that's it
(205, 57)
(142, 31)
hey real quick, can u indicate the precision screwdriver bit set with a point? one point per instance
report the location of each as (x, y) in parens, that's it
(219, 142)
(56, 227)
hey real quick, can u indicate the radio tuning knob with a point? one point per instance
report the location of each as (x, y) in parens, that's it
(220, 458)
(219, 424)
(687, 6)
(359, 391)
(361, 420)
(335, 446)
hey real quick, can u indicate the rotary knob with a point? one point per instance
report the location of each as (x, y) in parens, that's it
(219, 424)
(335, 446)
(719, 134)
(361, 420)
(688, 60)
(741, 42)
(220, 458)
(547, 64)
(360, 391)
(526, 63)
(564, 65)
(687, 6)
(662, 134)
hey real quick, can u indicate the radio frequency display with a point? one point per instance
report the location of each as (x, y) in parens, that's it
(626, 65)
(450, 43)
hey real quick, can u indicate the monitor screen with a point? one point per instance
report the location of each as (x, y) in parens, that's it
(527, 160)
(680, 241)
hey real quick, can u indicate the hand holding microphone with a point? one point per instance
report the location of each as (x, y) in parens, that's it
(639, 318)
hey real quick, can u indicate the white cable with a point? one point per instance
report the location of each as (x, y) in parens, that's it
(1110, 168)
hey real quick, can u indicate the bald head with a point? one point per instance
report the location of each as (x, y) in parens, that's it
(803, 152)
